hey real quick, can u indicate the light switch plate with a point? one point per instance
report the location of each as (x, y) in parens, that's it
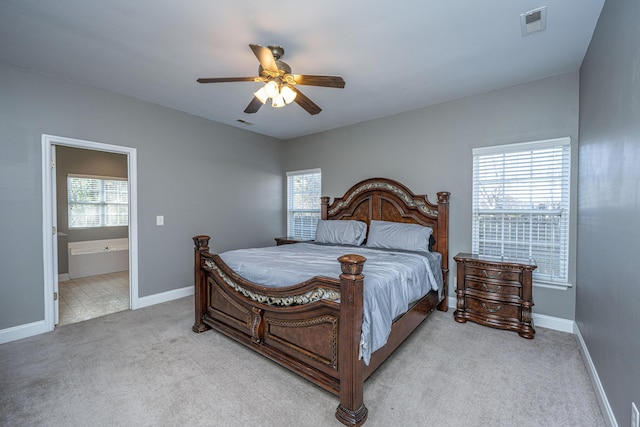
(160, 220)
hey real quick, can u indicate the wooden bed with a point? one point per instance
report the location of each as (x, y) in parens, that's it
(320, 340)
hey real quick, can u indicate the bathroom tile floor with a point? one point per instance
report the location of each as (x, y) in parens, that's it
(89, 297)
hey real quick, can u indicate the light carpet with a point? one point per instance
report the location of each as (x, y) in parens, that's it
(146, 368)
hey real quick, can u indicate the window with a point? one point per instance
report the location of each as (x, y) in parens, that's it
(303, 203)
(521, 205)
(96, 201)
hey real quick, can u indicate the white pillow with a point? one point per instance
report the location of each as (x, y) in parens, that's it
(397, 235)
(341, 232)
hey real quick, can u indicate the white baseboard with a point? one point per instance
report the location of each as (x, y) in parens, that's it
(555, 323)
(164, 297)
(451, 302)
(22, 331)
(601, 396)
(63, 277)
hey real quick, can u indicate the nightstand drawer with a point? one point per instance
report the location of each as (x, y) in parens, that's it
(494, 287)
(493, 273)
(499, 309)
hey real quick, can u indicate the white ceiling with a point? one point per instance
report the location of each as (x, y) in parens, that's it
(394, 55)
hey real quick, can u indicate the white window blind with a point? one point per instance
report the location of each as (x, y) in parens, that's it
(97, 201)
(303, 202)
(521, 204)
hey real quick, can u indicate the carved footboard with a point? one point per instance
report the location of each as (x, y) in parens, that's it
(312, 328)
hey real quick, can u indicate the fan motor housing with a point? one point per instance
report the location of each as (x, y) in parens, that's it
(282, 66)
(276, 50)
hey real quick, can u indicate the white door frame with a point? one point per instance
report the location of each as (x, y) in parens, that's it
(50, 249)
(54, 246)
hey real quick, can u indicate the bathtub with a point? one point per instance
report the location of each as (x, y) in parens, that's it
(93, 257)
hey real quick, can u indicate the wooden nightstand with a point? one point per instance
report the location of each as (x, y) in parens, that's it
(495, 292)
(290, 240)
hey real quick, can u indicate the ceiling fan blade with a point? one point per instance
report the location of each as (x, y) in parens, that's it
(253, 106)
(229, 79)
(325, 81)
(303, 101)
(265, 57)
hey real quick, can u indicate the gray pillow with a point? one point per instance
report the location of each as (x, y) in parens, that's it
(341, 232)
(397, 235)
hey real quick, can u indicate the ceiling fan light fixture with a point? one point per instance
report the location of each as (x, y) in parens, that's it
(271, 89)
(288, 94)
(261, 94)
(278, 101)
(279, 82)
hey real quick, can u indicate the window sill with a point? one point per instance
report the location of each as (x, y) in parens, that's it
(552, 285)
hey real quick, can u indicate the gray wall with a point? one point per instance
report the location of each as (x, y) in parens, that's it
(204, 177)
(70, 160)
(608, 291)
(429, 150)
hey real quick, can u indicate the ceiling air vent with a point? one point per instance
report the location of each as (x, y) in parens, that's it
(533, 21)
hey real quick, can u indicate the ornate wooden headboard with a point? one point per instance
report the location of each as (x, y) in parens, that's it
(387, 200)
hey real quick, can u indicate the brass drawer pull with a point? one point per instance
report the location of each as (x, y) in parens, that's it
(495, 276)
(491, 310)
(491, 290)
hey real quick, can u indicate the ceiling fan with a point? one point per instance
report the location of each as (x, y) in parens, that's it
(280, 83)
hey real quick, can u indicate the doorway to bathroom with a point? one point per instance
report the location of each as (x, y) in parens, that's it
(91, 209)
(92, 200)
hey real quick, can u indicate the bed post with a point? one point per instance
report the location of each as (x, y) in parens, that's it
(324, 205)
(351, 410)
(202, 246)
(443, 244)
